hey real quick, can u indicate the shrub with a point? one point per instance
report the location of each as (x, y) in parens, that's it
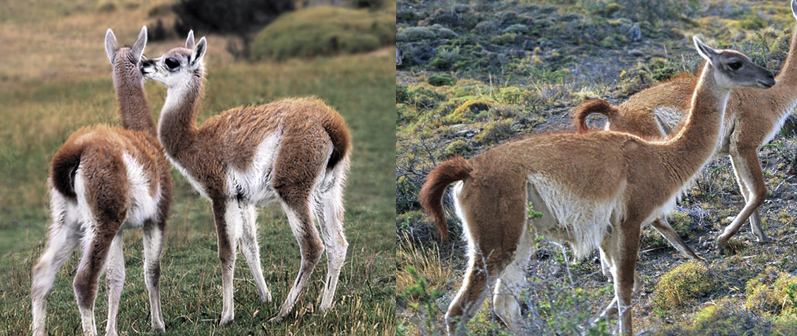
(772, 293)
(414, 34)
(457, 147)
(495, 132)
(227, 17)
(441, 80)
(324, 30)
(684, 284)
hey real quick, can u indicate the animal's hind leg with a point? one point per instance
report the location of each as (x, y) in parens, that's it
(251, 250)
(329, 210)
(115, 277)
(664, 228)
(95, 253)
(508, 289)
(311, 248)
(153, 247)
(63, 239)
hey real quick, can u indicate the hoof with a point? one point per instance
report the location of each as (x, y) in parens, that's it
(275, 319)
(226, 321)
(763, 240)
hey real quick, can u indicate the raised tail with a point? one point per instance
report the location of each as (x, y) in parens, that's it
(65, 163)
(431, 195)
(581, 112)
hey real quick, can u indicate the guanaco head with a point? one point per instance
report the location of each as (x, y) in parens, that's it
(126, 61)
(734, 70)
(178, 66)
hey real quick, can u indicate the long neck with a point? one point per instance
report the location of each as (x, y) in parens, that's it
(694, 144)
(177, 127)
(787, 77)
(133, 103)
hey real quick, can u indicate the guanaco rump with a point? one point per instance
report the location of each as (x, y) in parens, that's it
(104, 180)
(593, 190)
(295, 151)
(753, 118)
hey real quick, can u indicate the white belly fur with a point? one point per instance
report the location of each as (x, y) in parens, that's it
(254, 183)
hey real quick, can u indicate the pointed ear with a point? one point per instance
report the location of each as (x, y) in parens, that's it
(138, 47)
(704, 50)
(794, 8)
(110, 44)
(199, 51)
(189, 42)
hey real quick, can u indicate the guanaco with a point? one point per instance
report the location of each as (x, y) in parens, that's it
(105, 180)
(753, 118)
(294, 151)
(593, 190)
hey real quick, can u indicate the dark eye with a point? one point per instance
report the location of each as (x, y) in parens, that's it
(172, 63)
(735, 65)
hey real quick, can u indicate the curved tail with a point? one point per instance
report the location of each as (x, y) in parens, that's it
(581, 112)
(341, 140)
(65, 164)
(431, 195)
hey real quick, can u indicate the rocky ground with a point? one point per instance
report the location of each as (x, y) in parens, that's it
(475, 74)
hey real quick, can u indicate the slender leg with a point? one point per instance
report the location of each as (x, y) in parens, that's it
(96, 247)
(153, 247)
(625, 274)
(115, 277)
(507, 290)
(311, 247)
(667, 231)
(330, 216)
(251, 250)
(228, 224)
(751, 181)
(478, 278)
(63, 239)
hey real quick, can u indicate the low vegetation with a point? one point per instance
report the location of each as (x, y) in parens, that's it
(477, 74)
(324, 30)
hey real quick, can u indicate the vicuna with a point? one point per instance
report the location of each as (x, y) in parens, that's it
(295, 151)
(753, 118)
(104, 180)
(594, 190)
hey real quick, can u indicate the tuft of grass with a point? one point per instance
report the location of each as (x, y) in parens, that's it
(682, 285)
(772, 292)
(324, 30)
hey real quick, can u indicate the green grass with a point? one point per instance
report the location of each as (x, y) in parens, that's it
(39, 117)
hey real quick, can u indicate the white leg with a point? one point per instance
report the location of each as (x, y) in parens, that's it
(329, 211)
(311, 248)
(507, 291)
(115, 277)
(228, 228)
(60, 244)
(251, 250)
(153, 246)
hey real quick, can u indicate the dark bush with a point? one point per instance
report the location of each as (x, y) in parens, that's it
(237, 17)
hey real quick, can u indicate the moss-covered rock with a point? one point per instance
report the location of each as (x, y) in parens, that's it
(457, 147)
(468, 110)
(684, 284)
(772, 292)
(495, 132)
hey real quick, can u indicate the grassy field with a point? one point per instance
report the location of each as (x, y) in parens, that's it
(57, 79)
